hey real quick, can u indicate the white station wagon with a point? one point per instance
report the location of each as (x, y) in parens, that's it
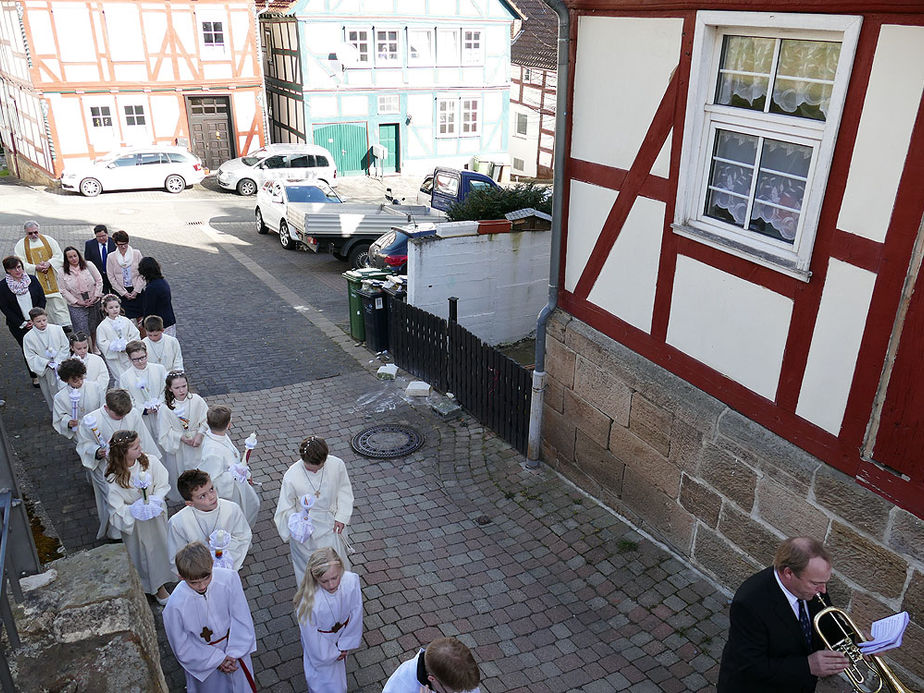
(247, 174)
(134, 168)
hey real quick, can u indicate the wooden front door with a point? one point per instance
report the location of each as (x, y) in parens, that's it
(388, 138)
(210, 127)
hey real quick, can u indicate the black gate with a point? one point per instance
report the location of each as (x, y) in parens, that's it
(492, 387)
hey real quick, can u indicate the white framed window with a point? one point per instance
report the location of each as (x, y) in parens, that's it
(472, 47)
(522, 125)
(519, 164)
(100, 116)
(386, 47)
(447, 47)
(389, 104)
(359, 39)
(471, 117)
(420, 46)
(446, 117)
(213, 34)
(764, 104)
(134, 115)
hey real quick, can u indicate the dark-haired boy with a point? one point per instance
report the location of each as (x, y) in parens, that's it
(204, 513)
(45, 346)
(74, 401)
(223, 461)
(162, 347)
(209, 626)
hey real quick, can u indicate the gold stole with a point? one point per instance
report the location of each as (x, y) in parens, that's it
(48, 280)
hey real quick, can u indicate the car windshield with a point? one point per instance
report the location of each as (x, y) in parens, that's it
(251, 160)
(397, 245)
(309, 193)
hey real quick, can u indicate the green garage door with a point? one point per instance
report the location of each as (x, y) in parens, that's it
(347, 142)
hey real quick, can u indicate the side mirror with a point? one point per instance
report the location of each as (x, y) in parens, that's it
(111, 164)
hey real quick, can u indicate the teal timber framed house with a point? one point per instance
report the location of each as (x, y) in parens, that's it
(429, 80)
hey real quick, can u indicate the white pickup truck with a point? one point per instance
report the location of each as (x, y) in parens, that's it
(346, 229)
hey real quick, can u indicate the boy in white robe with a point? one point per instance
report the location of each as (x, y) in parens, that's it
(209, 626)
(93, 435)
(76, 400)
(205, 513)
(97, 370)
(222, 461)
(162, 348)
(445, 665)
(145, 383)
(113, 334)
(45, 346)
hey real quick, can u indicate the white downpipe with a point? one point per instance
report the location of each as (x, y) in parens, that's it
(535, 417)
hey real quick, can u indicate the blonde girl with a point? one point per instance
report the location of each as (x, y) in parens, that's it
(181, 426)
(329, 609)
(137, 487)
(114, 332)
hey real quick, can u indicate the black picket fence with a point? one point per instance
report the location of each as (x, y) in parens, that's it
(491, 387)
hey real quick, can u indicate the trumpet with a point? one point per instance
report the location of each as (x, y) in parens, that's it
(867, 673)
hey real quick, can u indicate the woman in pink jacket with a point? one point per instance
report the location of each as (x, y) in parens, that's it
(122, 270)
(81, 284)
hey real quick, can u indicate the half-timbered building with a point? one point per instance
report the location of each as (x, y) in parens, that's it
(735, 357)
(427, 81)
(79, 79)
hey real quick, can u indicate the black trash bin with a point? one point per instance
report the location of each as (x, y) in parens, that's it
(375, 318)
(396, 292)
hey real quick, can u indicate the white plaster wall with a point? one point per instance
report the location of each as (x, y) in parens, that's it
(123, 31)
(501, 281)
(588, 208)
(609, 126)
(355, 105)
(72, 23)
(889, 111)
(731, 325)
(166, 115)
(323, 107)
(626, 285)
(832, 356)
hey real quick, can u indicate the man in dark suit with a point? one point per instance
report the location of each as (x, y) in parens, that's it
(96, 250)
(772, 646)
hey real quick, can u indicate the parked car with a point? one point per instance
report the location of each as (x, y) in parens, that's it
(135, 168)
(446, 186)
(389, 252)
(247, 174)
(275, 195)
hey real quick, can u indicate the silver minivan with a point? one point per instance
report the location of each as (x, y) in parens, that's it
(277, 161)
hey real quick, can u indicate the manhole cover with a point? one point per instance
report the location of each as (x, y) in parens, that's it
(387, 440)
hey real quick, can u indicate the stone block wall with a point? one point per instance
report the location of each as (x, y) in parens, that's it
(27, 171)
(718, 488)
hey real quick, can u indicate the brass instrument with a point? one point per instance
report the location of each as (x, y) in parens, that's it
(867, 673)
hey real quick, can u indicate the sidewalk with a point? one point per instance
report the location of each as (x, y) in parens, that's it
(552, 591)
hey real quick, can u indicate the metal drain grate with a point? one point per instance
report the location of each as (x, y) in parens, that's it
(386, 441)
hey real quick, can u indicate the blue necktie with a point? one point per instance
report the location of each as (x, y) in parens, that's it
(804, 622)
(102, 252)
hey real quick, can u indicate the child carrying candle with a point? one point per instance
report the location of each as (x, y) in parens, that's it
(162, 347)
(137, 487)
(145, 383)
(113, 334)
(181, 426)
(76, 400)
(44, 347)
(222, 461)
(97, 371)
(205, 513)
(209, 626)
(329, 609)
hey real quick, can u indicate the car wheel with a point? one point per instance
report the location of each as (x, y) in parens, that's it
(175, 184)
(246, 187)
(261, 227)
(359, 256)
(90, 187)
(285, 240)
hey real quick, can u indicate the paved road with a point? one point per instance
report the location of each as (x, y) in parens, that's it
(552, 591)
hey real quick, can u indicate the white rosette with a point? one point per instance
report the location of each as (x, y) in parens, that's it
(239, 472)
(146, 510)
(219, 541)
(300, 524)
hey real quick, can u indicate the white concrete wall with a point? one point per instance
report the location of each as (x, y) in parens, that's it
(501, 281)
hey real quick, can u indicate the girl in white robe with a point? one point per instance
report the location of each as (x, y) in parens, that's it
(45, 346)
(97, 371)
(329, 609)
(93, 436)
(114, 332)
(145, 383)
(137, 488)
(222, 461)
(209, 626)
(323, 477)
(74, 401)
(181, 427)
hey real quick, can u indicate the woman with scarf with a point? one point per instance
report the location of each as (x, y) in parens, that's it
(82, 288)
(19, 294)
(122, 270)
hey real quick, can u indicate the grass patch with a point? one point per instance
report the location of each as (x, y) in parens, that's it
(625, 546)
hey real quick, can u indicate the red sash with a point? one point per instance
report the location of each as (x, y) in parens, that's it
(247, 674)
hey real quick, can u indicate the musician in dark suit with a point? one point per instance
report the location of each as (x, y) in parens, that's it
(97, 249)
(772, 646)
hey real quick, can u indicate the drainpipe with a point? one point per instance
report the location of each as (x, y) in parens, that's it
(561, 118)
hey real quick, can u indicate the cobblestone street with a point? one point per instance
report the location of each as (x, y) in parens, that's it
(552, 591)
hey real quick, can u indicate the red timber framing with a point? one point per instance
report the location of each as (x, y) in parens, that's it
(518, 86)
(889, 260)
